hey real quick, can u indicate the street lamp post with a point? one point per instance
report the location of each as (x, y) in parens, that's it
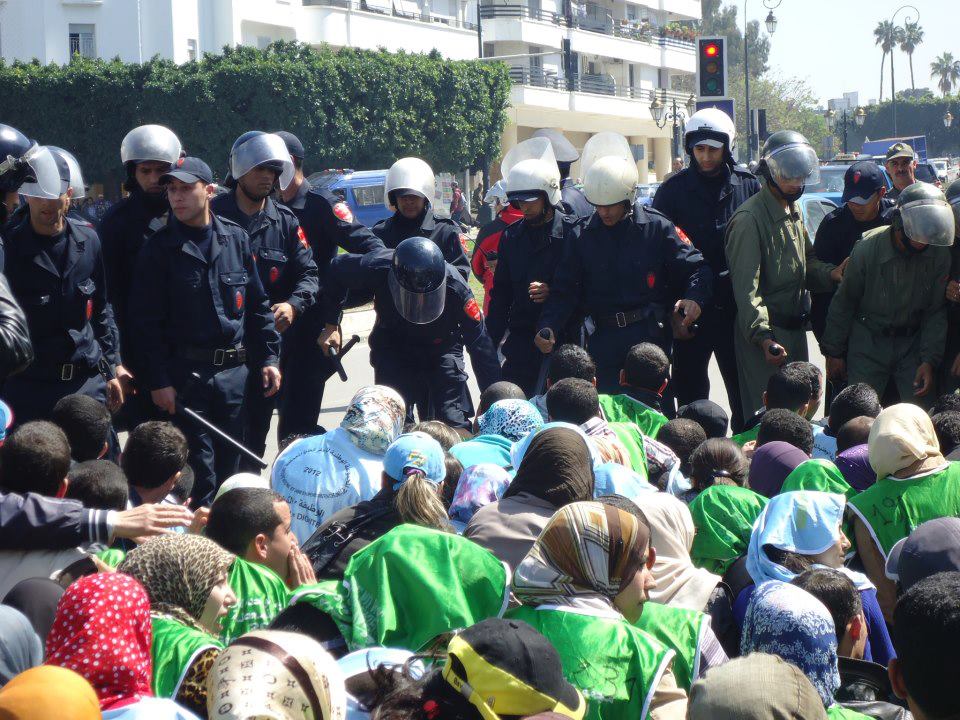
(771, 23)
(660, 115)
(907, 20)
(859, 117)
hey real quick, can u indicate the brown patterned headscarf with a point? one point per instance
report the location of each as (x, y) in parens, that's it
(178, 572)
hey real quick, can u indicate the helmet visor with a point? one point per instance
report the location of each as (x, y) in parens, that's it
(929, 221)
(265, 149)
(73, 167)
(43, 175)
(415, 307)
(795, 162)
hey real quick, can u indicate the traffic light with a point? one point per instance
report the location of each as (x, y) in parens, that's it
(712, 67)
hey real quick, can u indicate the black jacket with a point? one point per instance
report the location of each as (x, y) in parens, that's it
(445, 233)
(16, 350)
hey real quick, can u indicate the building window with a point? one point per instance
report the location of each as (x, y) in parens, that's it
(83, 40)
(489, 50)
(191, 49)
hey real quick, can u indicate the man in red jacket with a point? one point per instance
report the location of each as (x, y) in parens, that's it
(484, 261)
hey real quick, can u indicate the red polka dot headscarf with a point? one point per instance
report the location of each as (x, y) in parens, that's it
(102, 631)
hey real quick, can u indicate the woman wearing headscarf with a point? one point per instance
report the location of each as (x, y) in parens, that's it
(102, 631)
(724, 517)
(20, 647)
(37, 599)
(818, 475)
(854, 464)
(504, 423)
(321, 474)
(771, 464)
(800, 530)
(583, 585)
(914, 484)
(479, 485)
(305, 682)
(789, 622)
(185, 577)
(48, 693)
(556, 469)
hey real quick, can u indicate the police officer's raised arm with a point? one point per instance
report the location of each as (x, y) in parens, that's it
(327, 217)
(348, 272)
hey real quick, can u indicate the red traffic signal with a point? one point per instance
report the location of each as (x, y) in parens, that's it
(712, 67)
(711, 50)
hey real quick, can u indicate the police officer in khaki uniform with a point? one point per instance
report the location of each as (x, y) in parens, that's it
(901, 165)
(773, 265)
(889, 314)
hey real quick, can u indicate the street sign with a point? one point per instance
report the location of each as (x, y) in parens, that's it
(724, 104)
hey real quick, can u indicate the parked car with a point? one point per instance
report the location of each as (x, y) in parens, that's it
(361, 189)
(940, 166)
(815, 207)
(927, 173)
(830, 185)
(645, 193)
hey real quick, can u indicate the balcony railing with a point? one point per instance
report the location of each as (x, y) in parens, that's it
(394, 9)
(581, 83)
(536, 77)
(520, 12)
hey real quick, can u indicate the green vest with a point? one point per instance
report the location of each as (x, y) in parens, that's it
(174, 648)
(891, 509)
(261, 595)
(747, 435)
(623, 408)
(615, 665)
(679, 629)
(838, 712)
(632, 440)
(112, 556)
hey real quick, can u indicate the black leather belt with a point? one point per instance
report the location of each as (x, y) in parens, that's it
(900, 332)
(622, 319)
(219, 357)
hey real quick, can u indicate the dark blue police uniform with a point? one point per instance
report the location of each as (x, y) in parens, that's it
(424, 363)
(204, 313)
(574, 201)
(445, 233)
(526, 254)
(328, 222)
(626, 279)
(288, 275)
(60, 283)
(701, 207)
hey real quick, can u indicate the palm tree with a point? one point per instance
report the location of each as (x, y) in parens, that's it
(881, 36)
(912, 37)
(947, 72)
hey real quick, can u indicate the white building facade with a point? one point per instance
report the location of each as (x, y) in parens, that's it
(578, 66)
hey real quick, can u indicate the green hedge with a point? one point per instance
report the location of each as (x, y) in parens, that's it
(350, 108)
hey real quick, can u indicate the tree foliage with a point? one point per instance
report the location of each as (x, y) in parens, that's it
(922, 116)
(719, 19)
(350, 108)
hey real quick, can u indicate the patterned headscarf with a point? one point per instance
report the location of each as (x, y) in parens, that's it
(178, 573)
(479, 485)
(102, 631)
(585, 556)
(784, 620)
(374, 418)
(512, 419)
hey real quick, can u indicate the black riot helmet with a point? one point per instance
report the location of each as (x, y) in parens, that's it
(418, 280)
(14, 167)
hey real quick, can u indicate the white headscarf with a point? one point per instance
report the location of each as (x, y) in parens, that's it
(903, 438)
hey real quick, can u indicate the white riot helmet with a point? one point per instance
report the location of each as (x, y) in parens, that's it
(412, 175)
(150, 142)
(256, 148)
(496, 194)
(65, 157)
(531, 169)
(49, 182)
(712, 127)
(563, 149)
(610, 174)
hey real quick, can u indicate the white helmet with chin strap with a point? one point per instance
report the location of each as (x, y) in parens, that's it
(530, 169)
(496, 194)
(712, 127)
(610, 174)
(412, 175)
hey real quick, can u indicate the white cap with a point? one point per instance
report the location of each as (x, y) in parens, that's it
(241, 480)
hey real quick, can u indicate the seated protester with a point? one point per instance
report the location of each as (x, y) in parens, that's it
(853, 459)
(453, 469)
(801, 530)
(683, 437)
(500, 390)
(87, 424)
(947, 427)
(102, 631)
(566, 361)
(20, 646)
(410, 588)
(153, 458)
(36, 599)
(934, 547)
(717, 461)
(644, 377)
(479, 485)
(948, 402)
(756, 687)
(787, 426)
(915, 484)
(784, 620)
(410, 492)
(35, 458)
(185, 577)
(857, 400)
(556, 469)
(687, 606)
(241, 481)
(926, 633)
(821, 475)
(98, 484)
(708, 415)
(49, 693)
(615, 480)
(444, 434)
(254, 524)
(815, 376)
(304, 683)
(504, 423)
(789, 388)
(320, 475)
(771, 464)
(583, 585)
(360, 670)
(183, 487)
(502, 664)
(724, 516)
(576, 402)
(854, 432)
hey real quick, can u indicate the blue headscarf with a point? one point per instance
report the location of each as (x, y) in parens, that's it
(513, 419)
(519, 448)
(20, 647)
(614, 479)
(784, 620)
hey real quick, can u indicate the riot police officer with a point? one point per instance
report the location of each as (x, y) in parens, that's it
(147, 152)
(426, 314)
(574, 201)
(951, 360)
(529, 254)
(55, 267)
(259, 163)
(407, 190)
(628, 270)
(19, 157)
(202, 318)
(294, 195)
(699, 201)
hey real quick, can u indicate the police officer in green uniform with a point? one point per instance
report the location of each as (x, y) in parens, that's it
(951, 358)
(889, 315)
(773, 265)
